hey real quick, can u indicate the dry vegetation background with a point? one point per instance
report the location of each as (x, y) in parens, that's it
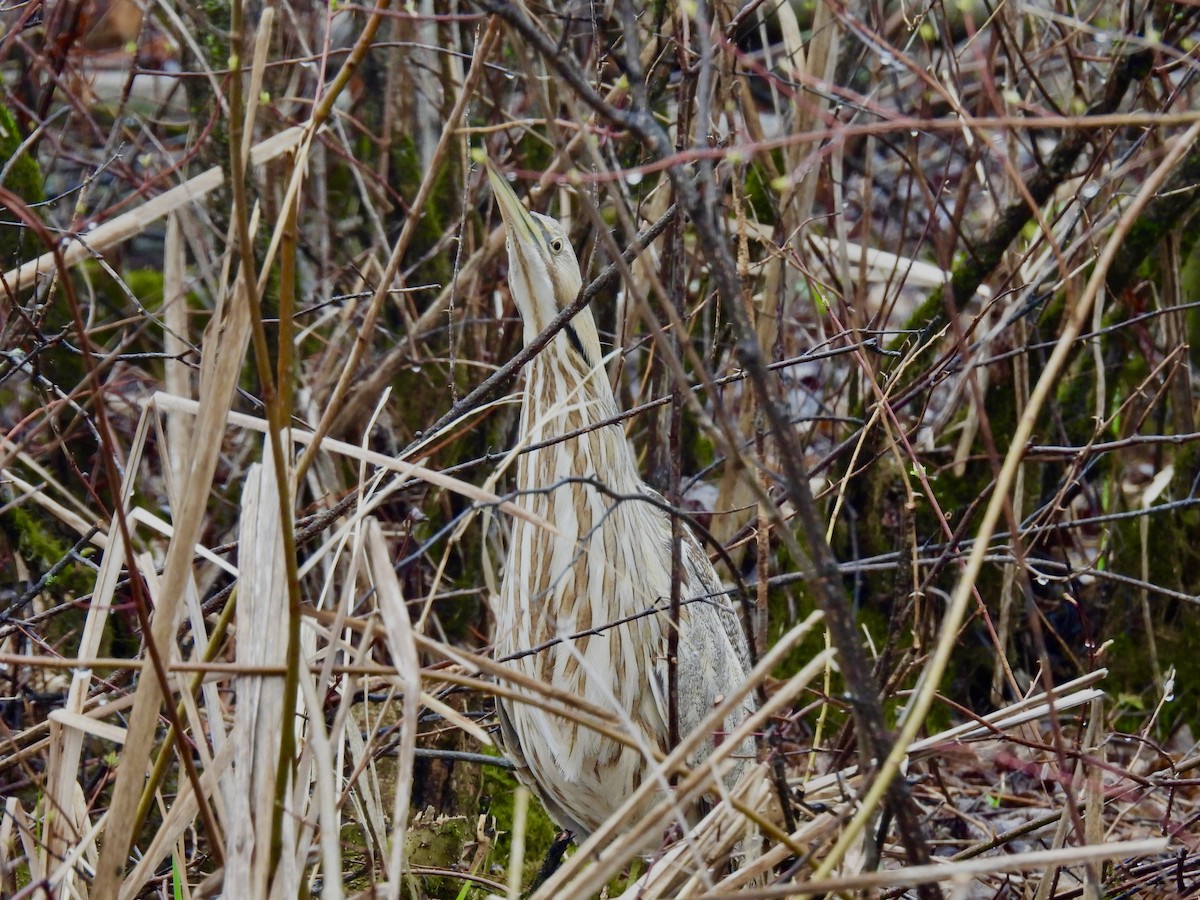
(911, 342)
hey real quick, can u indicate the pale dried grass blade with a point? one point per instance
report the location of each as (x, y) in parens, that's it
(66, 745)
(221, 364)
(70, 873)
(547, 696)
(1033, 861)
(88, 725)
(27, 834)
(214, 721)
(296, 828)
(398, 628)
(455, 718)
(1067, 696)
(1093, 816)
(262, 43)
(7, 838)
(675, 873)
(884, 266)
(325, 778)
(367, 797)
(262, 606)
(177, 379)
(935, 668)
(144, 517)
(119, 229)
(66, 496)
(72, 520)
(85, 849)
(1075, 693)
(516, 856)
(803, 112)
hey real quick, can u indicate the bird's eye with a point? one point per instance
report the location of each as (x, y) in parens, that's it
(556, 245)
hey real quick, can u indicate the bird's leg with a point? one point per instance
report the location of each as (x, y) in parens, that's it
(552, 860)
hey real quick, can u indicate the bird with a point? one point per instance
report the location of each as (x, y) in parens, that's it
(606, 558)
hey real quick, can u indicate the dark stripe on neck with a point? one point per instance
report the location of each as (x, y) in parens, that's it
(573, 337)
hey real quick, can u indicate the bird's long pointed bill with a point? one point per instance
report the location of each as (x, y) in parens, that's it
(520, 224)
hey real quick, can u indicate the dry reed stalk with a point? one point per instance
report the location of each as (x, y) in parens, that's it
(671, 877)
(221, 365)
(250, 788)
(392, 268)
(399, 632)
(325, 827)
(932, 674)
(383, 461)
(469, 271)
(340, 784)
(127, 225)
(66, 743)
(616, 842)
(516, 856)
(772, 305)
(176, 379)
(712, 840)
(344, 730)
(963, 874)
(367, 802)
(715, 839)
(8, 837)
(68, 517)
(76, 518)
(178, 820)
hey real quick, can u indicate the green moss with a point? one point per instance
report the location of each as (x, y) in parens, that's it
(437, 841)
(787, 607)
(17, 243)
(408, 173)
(535, 151)
(41, 547)
(1168, 214)
(1189, 282)
(1131, 681)
(498, 790)
(146, 285)
(32, 541)
(212, 40)
(697, 447)
(1172, 557)
(760, 196)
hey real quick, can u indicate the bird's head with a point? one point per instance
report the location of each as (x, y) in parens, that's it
(543, 272)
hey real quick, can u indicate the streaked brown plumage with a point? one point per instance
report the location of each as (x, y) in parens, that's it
(610, 559)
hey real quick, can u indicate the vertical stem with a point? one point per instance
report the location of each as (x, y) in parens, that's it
(763, 557)
(287, 306)
(675, 285)
(249, 293)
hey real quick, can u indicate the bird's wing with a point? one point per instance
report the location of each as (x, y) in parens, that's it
(703, 581)
(713, 657)
(712, 643)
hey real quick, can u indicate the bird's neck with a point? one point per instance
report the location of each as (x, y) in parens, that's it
(567, 393)
(577, 338)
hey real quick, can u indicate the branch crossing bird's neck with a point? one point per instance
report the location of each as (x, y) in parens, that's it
(578, 337)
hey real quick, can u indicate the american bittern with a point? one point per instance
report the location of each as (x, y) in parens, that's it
(611, 559)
